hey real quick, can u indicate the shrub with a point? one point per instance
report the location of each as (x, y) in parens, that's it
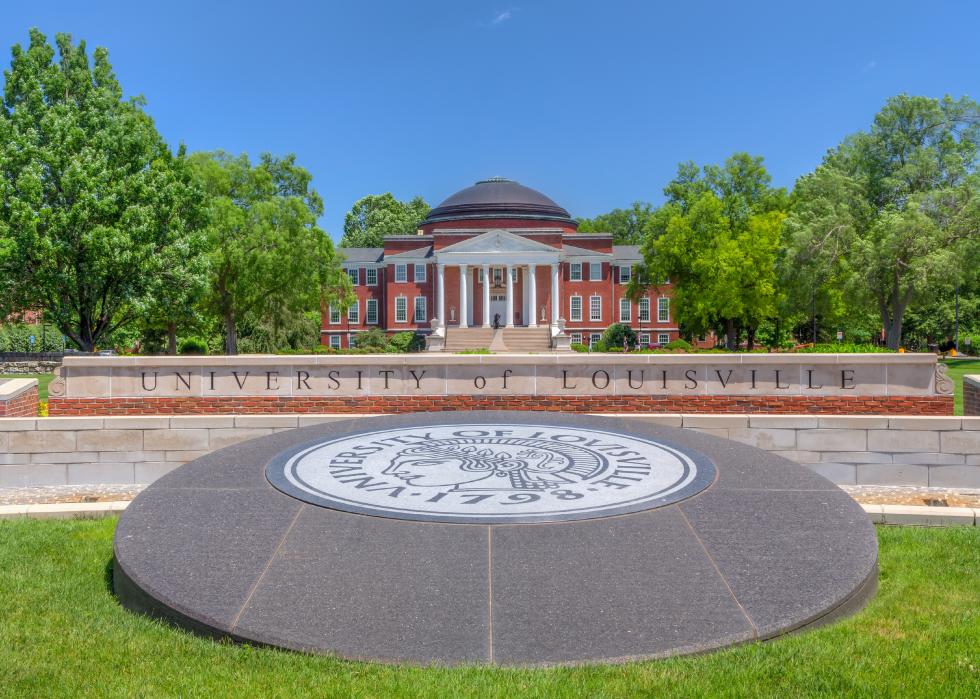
(373, 339)
(578, 347)
(475, 350)
(617, 336)
(679, 344)
(192, 345)
(16, 337)
(842, 348)
(407, 341)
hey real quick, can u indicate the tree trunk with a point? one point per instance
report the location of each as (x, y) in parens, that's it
(751, 335)
(730, 340)
(231, 333)
(171, 338)
(894, 332)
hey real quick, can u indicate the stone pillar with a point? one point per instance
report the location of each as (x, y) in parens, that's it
(532, 296)
(510, 296)
(463, 321)
(442, 295)
(486, 296)
(555, 302)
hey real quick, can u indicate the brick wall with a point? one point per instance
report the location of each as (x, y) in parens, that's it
(18, 398)
(971, 395)
(786, 405)
(851, 449)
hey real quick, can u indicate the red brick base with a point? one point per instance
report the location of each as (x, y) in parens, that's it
(820, 405)
(23, 405)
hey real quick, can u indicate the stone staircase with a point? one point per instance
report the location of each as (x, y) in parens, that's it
(502, 340)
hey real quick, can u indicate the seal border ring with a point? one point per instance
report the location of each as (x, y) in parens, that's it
(704, 476)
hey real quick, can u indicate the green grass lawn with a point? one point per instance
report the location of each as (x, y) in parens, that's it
(957, 369)
(62, 634)
(42, 382)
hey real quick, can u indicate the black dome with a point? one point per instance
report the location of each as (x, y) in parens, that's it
(498, 198)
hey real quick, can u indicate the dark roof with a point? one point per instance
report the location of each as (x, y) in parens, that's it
(498, 198)
(362, 254)
(627, 253)
(416, 254)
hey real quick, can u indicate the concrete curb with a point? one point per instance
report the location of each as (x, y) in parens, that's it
(912, 515)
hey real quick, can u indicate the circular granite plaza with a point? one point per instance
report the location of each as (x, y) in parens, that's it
(512, 538)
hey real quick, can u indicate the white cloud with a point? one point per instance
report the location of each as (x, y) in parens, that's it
(502, 17)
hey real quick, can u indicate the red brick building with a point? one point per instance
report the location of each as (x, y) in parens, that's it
(498, 254)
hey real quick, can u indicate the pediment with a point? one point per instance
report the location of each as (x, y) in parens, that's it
(498, 241)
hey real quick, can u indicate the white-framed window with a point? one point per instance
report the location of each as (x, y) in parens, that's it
(371, 311)
(420, 273)
(575, 308)
(513, 274)
(334, 316)
(401, 309)
(625, 273)
(663, 338)
(663, 309)
(595, 271)
(354, 274)
(335, 341)
(575, 338)
(401, 273)
(595, 308)
(594, 339)
(420, 309)
(354, 313)
(575, 272)
(643, 310)
(352, 339)
(371, 276)
(624, 310)
(644, 339)
(498, 276)
(479, 274)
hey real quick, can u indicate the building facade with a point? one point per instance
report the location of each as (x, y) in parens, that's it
(498, 254)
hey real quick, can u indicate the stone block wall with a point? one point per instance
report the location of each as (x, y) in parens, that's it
(851, 449)
(18, 397)
(28, 366)
(971, 395)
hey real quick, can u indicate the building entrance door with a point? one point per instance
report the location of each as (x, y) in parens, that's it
(498, 304)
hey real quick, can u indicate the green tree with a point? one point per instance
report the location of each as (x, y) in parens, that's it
(626, 225)
(268, 257)
(377, 215)
(892, 215)
(717, 240)
(93, 205)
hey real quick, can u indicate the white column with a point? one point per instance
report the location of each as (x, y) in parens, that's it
(532, 296)
(442, 295)
(486, 296)
(555, 302)
(510, 296)
(463, 322)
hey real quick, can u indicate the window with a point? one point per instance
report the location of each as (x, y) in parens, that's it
(498, 276)
(420, 309)
(334, 316)
(663, 338)
(371, 276)
(575, 308)
(352, 339)
(575, 272)
(595, 271)
(663, 309)
(401, 310)
(644, 339)
(576, 338)
(420, 273)
(644, 311)
(594, 339)
(624, 310)
(371, 311)
(595, 308)
(354, 313)
(354, 275)
(513, 274)
(625, 273)
(335, 341)
(401, 273)
(479, 274)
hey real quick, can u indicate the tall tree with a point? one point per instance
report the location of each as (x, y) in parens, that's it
(626, 225)
(267, 254)
(92, 202)
(893, 214)
(716, 240)
(377, 215)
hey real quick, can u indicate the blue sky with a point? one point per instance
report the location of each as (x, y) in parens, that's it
(593, 103)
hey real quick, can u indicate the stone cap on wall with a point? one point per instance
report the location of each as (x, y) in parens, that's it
(11, 388)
